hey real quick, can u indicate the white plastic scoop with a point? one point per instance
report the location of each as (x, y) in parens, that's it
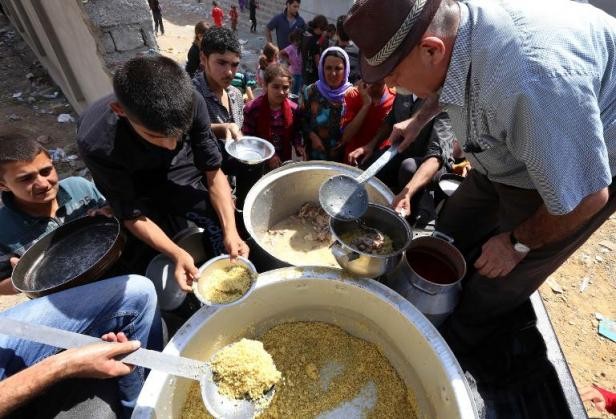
(344, 197)
(218, 405)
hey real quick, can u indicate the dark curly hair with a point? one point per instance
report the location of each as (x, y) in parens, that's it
(220, 40)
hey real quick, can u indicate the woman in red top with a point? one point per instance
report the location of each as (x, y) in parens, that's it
(274, 117)
(217, 14)
(233, 16)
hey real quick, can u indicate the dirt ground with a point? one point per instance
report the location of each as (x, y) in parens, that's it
(574, 313)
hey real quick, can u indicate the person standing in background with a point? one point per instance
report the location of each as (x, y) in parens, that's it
(292, 54)
(285, 23)
(242, 4)
(252, 7)
(193, 62)
(158, 16)
(234, 16)
(217, 14)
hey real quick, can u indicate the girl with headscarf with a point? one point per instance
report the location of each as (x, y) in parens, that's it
(322, 106)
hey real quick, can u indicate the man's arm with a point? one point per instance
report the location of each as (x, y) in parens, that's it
(407, 131)
(228, 130)
(95, 361)
(421, 178)
(220, 197)
(268, 34)
(498, 257)
(151, 234)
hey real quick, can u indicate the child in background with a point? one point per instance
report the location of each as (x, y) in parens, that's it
(274, 117)
(267, 57)
(292, 54)
(217, 14)
(233, 16)
(193, 63)
(327, 37)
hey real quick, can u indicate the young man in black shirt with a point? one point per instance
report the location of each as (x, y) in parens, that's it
(151, 152)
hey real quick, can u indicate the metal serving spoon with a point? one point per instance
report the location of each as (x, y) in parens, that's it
(344, 197)
(218, 405)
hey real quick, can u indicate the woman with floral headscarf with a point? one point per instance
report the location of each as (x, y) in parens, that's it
(322, 106)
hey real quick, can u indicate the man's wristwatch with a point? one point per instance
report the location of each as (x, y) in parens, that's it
(517, 245)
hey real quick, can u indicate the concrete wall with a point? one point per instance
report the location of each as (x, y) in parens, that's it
(80, 44)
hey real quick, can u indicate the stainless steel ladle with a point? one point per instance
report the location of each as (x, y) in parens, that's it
(218, 405)
(344, 197)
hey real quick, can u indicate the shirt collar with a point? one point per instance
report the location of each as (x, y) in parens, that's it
(8, 199)
(454, 88)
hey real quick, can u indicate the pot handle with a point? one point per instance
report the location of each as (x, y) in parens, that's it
(419, 287)
(442, 236)
(339, 252)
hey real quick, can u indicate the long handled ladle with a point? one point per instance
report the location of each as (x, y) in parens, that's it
(344, 197)
(218, 405)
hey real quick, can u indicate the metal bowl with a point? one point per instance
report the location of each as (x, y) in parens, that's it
(250, 150)
(221, 262)
(364, 264)
(281, 193)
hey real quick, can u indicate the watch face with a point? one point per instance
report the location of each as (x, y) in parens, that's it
(521, 248)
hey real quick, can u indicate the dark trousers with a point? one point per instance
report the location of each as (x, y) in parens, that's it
(253, 20)
(478, 210)
(158, 21)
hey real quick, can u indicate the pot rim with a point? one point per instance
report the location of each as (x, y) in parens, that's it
(423, 238)
(407, 228)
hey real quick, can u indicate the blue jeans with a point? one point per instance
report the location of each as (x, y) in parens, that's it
(122, 304)
(298, 81)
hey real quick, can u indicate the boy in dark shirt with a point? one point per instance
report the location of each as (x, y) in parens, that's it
(151, 152)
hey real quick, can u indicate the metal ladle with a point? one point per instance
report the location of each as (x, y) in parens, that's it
(218, 405)
(344, 197)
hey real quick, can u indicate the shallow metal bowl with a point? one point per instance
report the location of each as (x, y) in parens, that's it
(221, 262)
(250, 150)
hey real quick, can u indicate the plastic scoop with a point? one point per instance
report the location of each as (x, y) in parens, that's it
(345, 197)
(218, 405)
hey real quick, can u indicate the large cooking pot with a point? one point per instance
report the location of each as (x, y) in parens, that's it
(362, 307)
(388, 222)
(74, 254)
(430, 276)
(281, 193)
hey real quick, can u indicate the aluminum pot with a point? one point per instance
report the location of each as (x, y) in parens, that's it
(280, 193)
(362, 307)
(430, 276)
(364, 264)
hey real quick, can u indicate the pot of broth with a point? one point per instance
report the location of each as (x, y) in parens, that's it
(430, 276)
(281, 214)
(372, 245)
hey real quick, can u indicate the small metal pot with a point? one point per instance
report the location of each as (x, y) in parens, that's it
(430, 276)
(368, 265)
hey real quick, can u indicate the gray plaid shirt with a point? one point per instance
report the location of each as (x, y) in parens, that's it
(531, 93)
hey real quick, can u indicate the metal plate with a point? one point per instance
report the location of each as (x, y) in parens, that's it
(250, 150)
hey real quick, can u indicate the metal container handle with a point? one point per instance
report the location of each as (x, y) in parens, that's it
(442, 236)
(339, 252)
(419, 287)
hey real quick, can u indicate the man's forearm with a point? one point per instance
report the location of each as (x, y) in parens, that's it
(543, 228)
(425, 173)
(219, 130)
(268, 34)
(19, 388)
(151, 234)
(221, 199)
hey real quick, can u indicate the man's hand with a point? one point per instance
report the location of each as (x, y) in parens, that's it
(14, 260)
(274, 162)
(316, 142)
(301, 152)
(98, 360)
(365, 95)
(362, 153)
(402, 204)
(232, 131)
(594, 396)
(105, 211)
(185, 271)
(235, 246)
(404, 133)
(498, 257)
